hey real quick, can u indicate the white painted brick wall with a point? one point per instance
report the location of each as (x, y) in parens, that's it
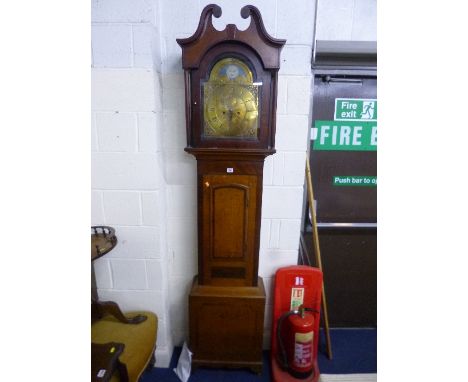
(295, 22)
(124, 32)
(125, 11)
(122, 207)
(179, 17)
(334, 20)
(154, 274)
(274, 233)
(282, 202)
(364, 20)
(280, 234)
(299, 90)
(143, 36)
(174, 134)
(180, 167)
(282, 97)
(182, 202)
(124, 171)
(291, 132)
(183, 242)
(347, 20)
(149, 132)
(172, 99)
(172, 58)
(117, 132)
(294, 162)
(94, 137)
(173, 81)
(272, 259)
(112, 45)
(97, 209)
(124, 90)
(178, 311)
(103, 273)
(289, 234)
(150, 208)
(127, 162)
(162, 334)
(144, 184)
(129, 274)
(137, 242)
(268, 170)
(278, 168)
(295, 60)
(265, 233)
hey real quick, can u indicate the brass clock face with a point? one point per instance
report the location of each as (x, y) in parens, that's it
(231, 106)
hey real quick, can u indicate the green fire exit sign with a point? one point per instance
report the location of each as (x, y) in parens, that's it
(355, 109)
(346, 136)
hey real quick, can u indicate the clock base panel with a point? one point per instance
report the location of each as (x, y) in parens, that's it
(226, 325)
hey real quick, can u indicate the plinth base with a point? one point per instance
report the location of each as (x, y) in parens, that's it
(226, 326)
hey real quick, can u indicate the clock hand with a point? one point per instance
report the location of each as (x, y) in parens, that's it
(229, 119)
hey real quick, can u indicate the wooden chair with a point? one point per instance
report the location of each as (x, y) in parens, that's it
(122, 345)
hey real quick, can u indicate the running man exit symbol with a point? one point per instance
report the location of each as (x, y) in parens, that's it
(368, 110)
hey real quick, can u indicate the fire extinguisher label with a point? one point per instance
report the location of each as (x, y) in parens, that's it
(303, 349)
(297, 298)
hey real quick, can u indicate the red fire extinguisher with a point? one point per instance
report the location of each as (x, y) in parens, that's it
(295, 336)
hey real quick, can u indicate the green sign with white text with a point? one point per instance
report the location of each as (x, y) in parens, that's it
(346, 136)
(354, 109)
(350, 180)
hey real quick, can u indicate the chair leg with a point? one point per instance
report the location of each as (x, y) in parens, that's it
(122, 368)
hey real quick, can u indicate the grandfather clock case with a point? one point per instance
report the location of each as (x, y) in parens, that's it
(230, 93)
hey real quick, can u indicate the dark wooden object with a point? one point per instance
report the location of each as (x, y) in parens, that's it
(229, 208)
(349, 257)
(103, 240)
(105, 361)
(227, 299)
(234, 165)
(101, 308)
(253, 45)
(226, 325)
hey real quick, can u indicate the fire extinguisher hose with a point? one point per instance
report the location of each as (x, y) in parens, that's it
(283, 358)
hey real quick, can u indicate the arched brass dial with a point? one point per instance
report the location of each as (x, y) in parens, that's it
(231, 105)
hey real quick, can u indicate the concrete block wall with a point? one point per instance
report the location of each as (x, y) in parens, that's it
(125, 33)
(128, 193)
(348, 20)
(128, 185)
(144, 184)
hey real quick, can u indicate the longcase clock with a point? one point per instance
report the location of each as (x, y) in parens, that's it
(230, 93)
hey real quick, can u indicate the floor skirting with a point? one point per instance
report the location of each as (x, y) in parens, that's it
(348, 378)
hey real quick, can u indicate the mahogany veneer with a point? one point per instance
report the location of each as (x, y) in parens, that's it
(227, 299)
